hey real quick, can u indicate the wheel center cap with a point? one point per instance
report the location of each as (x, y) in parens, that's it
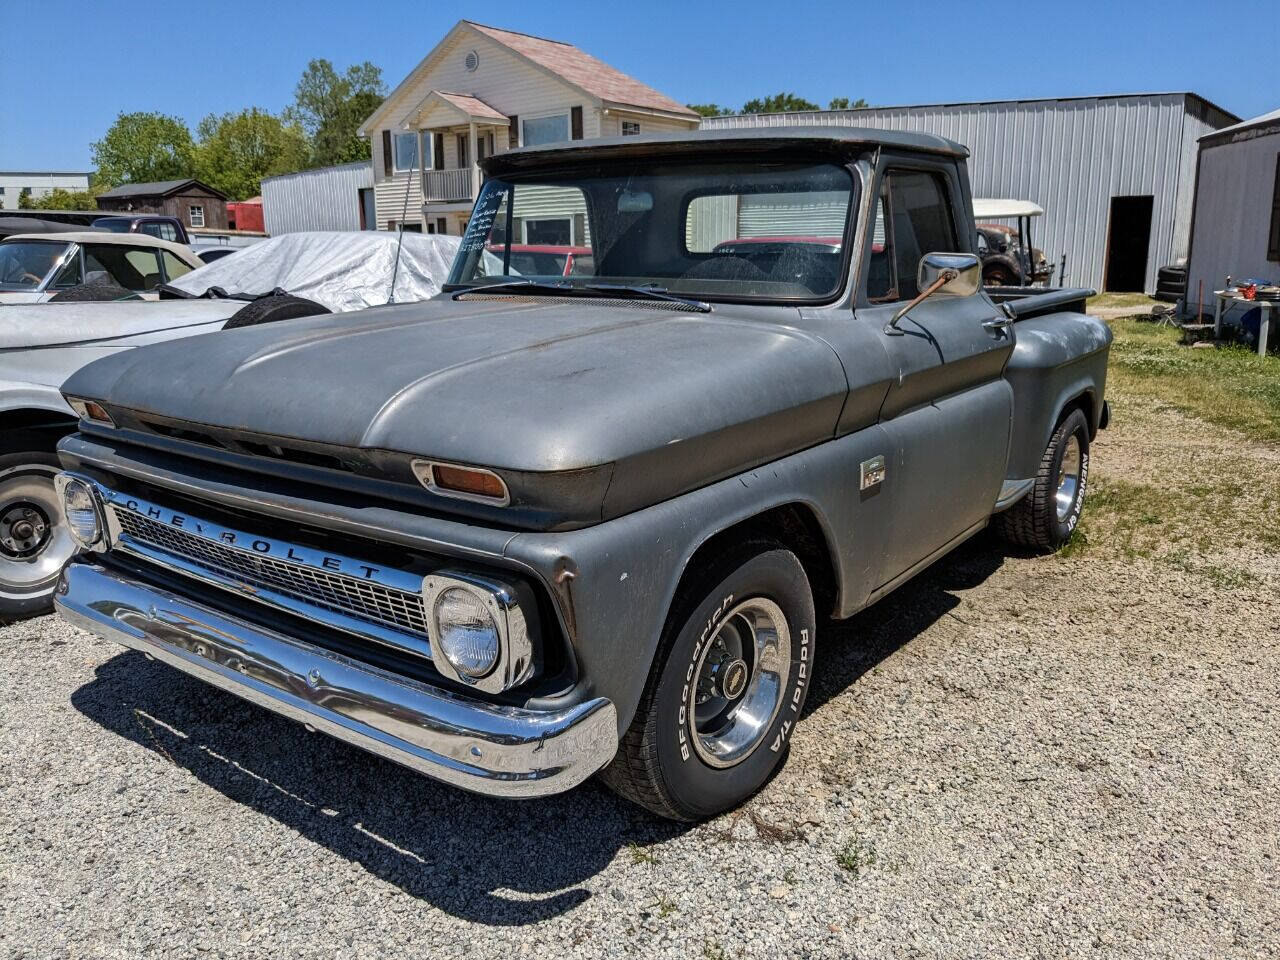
(734, 679)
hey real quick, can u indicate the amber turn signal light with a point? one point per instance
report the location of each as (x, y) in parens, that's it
(91, 410)
(466, 483)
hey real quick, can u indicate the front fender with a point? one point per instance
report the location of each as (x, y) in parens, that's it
(24, 395)
(616, 581)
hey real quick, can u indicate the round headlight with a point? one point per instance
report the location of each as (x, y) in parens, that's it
(466, 632)
(81, 510)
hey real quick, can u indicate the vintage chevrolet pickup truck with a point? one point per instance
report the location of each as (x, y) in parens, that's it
(544, 526)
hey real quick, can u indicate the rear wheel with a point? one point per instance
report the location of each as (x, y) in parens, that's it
(34, 540)
(727, 689)
(1047, 516)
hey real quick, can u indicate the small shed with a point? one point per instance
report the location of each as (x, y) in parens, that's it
(196, 204)
(1235, 220)
(324, 198)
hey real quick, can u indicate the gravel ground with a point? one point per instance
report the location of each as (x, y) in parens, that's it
(1022, 757)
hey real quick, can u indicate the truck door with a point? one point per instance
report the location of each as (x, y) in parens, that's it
(948, 413)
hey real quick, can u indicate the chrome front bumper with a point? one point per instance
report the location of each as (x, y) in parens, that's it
(492, 749)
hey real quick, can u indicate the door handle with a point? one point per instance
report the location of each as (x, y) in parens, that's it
(998, 323)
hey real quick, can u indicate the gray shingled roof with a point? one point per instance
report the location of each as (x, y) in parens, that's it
(158, 189)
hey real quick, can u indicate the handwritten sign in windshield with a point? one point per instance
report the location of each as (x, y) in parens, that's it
(482, 219)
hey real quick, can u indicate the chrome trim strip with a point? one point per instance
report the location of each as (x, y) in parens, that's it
(497, 750)
(1011, 491)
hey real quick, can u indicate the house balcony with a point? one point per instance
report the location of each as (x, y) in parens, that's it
(450, 186)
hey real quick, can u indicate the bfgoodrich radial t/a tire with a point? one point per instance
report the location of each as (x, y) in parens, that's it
(726, 692)
(1047, 516)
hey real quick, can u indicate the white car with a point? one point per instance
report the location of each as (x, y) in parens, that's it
(34, 267)
(41, 344)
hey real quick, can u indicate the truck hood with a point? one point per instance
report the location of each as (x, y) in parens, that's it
(670, 399)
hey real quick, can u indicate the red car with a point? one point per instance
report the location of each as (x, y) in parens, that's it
(548, 259)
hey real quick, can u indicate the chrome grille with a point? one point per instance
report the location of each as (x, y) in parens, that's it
(373, 602)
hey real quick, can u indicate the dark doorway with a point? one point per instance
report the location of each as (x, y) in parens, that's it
(368, 217)
(1128, 241)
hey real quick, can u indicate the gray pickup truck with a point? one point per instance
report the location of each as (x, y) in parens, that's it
(541, 527)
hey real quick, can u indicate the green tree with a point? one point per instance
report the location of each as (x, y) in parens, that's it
(710, 109)
(843, 103)
(778, 103)
(236, 150)
(143, 147)
(330, 106)
(60, 199)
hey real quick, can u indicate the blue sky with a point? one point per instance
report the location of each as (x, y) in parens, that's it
(67, 68)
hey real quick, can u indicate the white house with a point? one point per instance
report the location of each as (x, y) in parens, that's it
(16, 184)
(483, 90)
(1235, 224)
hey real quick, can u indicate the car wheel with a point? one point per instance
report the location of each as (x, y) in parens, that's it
(1047, 516)
(727, 688)
(34, 541)
(273, 308)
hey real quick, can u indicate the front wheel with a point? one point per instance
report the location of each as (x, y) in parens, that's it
(726, 692)
(1047, 516)
(34, 540)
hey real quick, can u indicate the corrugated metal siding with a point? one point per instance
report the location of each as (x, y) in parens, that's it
(324, 199)
(1069, 156)
(1233, 216)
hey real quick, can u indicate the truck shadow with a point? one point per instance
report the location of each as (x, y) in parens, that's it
(500, 863)
(848, 649)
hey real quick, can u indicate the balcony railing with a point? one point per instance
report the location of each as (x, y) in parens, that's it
(447, 185)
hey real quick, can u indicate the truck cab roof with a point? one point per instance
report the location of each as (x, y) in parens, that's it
(841, 138)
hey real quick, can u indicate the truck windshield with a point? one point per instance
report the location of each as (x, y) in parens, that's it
(25, 263)
(748, 230)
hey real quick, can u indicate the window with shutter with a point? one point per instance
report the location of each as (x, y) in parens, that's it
(1273, 237)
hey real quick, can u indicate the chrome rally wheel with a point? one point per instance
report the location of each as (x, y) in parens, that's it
(35, 543)
(742, 672)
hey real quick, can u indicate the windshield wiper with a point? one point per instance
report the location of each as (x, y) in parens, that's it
(526, 286)
(647, 291)
(564, 287)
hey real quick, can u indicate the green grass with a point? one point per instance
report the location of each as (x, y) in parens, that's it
(1231, 386)
(1106, 300)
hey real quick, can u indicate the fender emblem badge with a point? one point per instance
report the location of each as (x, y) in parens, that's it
(872, 472)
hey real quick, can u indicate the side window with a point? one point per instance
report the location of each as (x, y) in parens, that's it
(914, 217)
(130, 267)
(69, 275)
(173, 267)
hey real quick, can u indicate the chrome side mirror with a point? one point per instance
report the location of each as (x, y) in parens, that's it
(944, 274)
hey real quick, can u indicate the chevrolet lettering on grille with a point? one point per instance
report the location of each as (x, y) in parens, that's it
(260, 545)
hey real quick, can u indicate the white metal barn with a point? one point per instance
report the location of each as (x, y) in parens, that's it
(1115, 174)
(1235, 223)
(326, 198)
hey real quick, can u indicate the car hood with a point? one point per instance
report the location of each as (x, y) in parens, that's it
(669, 399)
(64, 324)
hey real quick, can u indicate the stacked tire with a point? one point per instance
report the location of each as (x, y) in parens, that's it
(1171, 284)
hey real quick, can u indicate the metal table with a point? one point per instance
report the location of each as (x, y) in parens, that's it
(1224, 297)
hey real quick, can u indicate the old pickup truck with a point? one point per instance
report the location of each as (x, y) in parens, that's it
(541, 527)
